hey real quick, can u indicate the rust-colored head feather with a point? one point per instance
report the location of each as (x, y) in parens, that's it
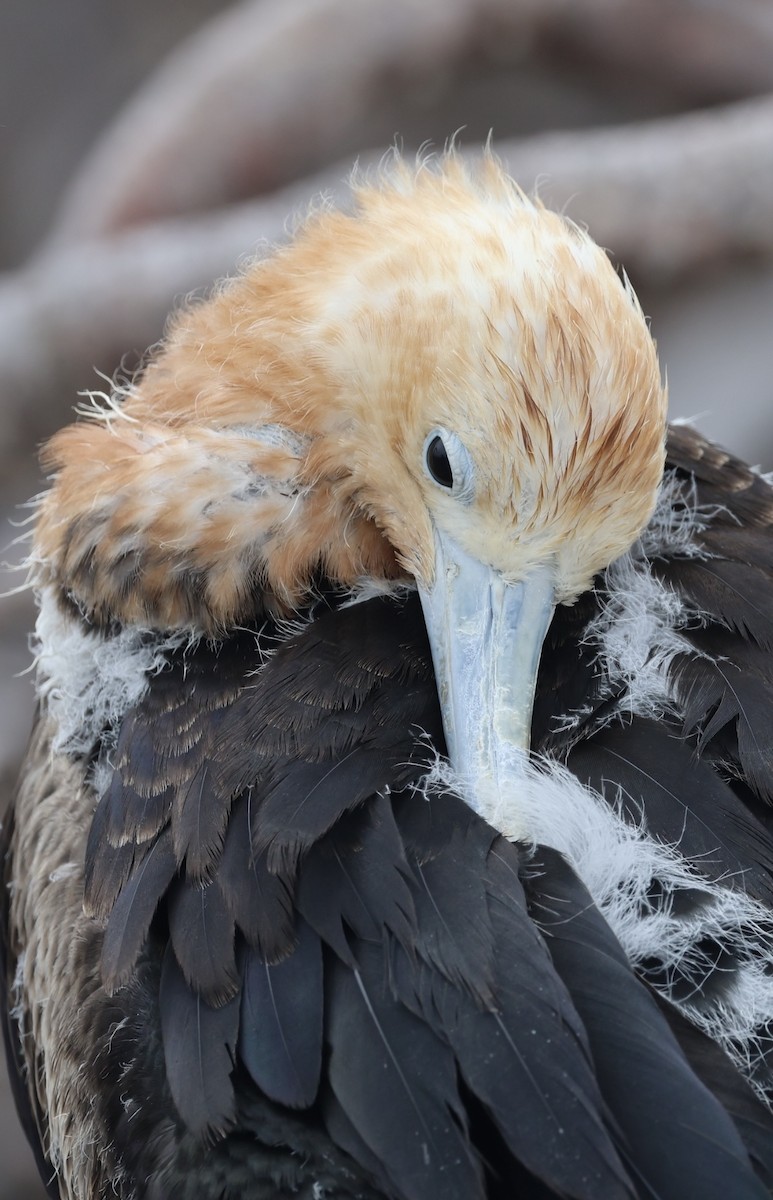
(281, 429)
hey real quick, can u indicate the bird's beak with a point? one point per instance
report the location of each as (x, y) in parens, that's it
(486, 637)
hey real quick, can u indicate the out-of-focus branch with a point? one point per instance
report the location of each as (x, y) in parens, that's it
(269, 91)
(692, 51)
(263, 93)
(665, 197)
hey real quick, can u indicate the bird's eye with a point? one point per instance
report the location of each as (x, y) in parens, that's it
(448, 463)
(437, 462)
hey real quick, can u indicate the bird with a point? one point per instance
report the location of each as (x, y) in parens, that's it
(396, 820)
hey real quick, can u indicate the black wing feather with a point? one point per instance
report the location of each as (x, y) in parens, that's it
(310, 798)
(365, 698)
(357, 879)
(134, 816)
(728, 697)
(522, 1051)
(395, 1080)
(447, 847)
(727, 688)
(107, 866)
(681, 800)
(260, 902)
(199, 823)
(344, 1134)
(752, 1118)
(129, 922)
(676, 1137)
(738, 593)
(280, 1035)
(202, 934)
(199, 1048)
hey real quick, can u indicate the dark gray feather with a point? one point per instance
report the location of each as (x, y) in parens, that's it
(280, 1038)
(202, 934)
(133, 911)
(199, 1046)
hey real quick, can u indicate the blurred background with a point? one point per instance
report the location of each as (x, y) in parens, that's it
(149, 146)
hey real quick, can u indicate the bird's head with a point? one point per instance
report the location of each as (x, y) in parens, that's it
(451, 384)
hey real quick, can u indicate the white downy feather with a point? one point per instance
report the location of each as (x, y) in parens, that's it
(88, 680)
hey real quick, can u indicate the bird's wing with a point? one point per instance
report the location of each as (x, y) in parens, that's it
(363, 951)
(726, 688)
(360, 950)
(677, 1140)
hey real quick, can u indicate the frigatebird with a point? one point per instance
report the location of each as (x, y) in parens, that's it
(396, 820)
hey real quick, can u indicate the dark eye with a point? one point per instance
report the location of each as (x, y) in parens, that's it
(437, 463)
(448, 463)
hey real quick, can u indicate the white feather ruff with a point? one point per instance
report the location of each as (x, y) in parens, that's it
(635, 880)
(88, 681)
(637, 634)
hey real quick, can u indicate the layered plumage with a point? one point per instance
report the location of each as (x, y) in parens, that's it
(261, 937)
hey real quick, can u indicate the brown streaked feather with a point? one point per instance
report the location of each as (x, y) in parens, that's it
(31, 1114)
(62, 992)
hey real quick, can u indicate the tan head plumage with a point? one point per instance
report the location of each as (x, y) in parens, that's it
(281, 429)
